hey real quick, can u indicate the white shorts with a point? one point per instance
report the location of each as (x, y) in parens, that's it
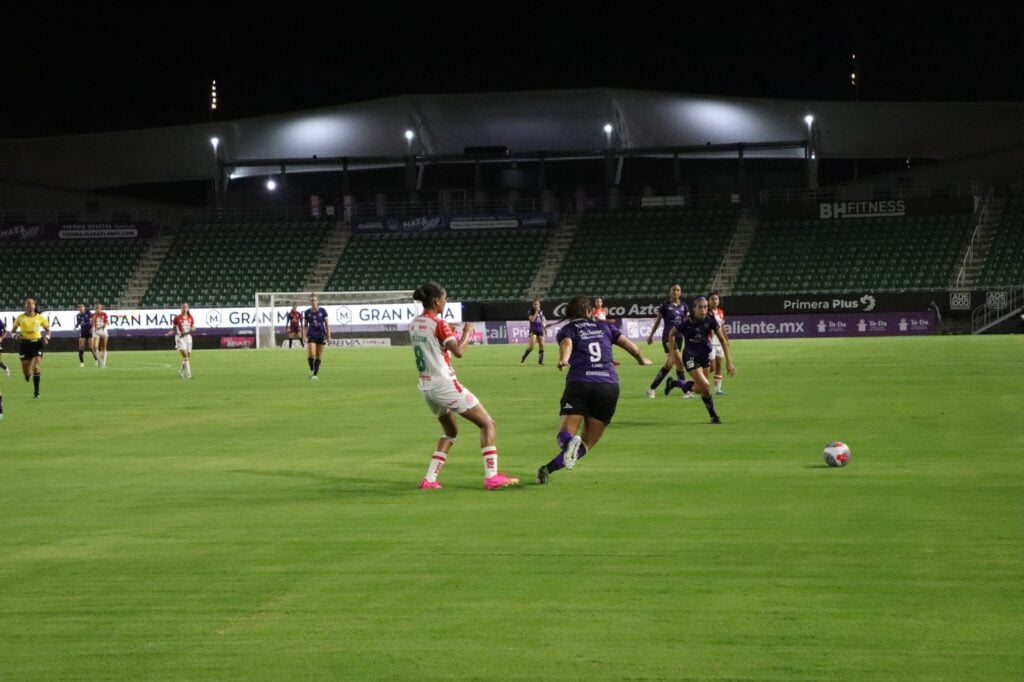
(448, 396)
(101, 332)
(183, 343)
(716, 351)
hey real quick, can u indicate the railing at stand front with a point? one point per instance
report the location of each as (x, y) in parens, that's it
(961, 277)
(999, 305)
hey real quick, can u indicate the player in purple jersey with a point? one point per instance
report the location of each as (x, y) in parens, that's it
(696, 329)
(317, 332)
(592, 385)
(537, 327)
(83, 322)
(3, 335)
(670, 311)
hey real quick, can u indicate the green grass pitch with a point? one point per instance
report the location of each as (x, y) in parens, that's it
(252, 524)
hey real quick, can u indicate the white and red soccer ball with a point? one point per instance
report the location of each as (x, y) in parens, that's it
(837, 454)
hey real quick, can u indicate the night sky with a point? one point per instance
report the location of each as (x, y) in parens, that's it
(105, 66)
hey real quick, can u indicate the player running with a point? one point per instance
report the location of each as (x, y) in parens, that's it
(3, 335)
(83, 323)
(717, 354)
(670, 311)
(100, 321)
(591, 386)
(316, 330)
(433, 344)
(184, 326)
(696, 329)
(29, 327)
(293, 326)
(537, 327)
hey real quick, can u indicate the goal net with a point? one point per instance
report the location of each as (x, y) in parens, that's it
(355, 318)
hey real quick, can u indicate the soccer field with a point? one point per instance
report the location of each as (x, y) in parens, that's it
(252, 524)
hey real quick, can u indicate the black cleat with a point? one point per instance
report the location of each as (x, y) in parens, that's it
(716, 420)
(669, 385)
(542, 475)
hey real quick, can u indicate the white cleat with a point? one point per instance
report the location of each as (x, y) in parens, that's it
(571, 451)
(651, 394)
(690, 396)
(81, 364)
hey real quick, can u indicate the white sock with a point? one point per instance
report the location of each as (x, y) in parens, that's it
(490, 455)
(104, 358)
(718, 382)
(436, 464)
(187, 368)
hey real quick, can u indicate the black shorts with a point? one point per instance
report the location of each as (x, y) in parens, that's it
(30, 349)
(590, 399)
(86, 335)
(694, 359)
(317, 340)
(664, 343)
(539, 335)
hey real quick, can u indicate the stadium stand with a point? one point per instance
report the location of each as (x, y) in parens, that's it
(639, 253)
(886, 253)
(1005, 263)
(62, 273)
(472, 265)
(224, 264)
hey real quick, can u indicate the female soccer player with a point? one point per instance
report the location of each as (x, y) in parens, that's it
(29, 326)
(717, 354)
(591, 386)
(695, 329)
(316, 330)
(184, 325)
(293, 326)
(83, 323)
(100, 321)
(537, 327)
(433, 344)
(670, 311)
(600, 312)
(3, 335)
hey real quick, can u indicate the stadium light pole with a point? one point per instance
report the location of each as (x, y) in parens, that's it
(810, 155)
(215, 143)
(409, 137)
(608, 133)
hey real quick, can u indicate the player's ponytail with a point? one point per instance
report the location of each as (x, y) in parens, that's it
(428, 293)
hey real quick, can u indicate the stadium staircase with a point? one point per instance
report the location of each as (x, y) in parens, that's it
(1004, 263)
(976, 252)
(554, 255)
(153, 255)
(321, 270)
(736, 252)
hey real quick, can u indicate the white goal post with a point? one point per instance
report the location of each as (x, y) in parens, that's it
(356, 318)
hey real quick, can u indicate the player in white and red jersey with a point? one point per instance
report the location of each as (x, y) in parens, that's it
(433, 344)
(717, 354)
(184, 325)
(100, 335)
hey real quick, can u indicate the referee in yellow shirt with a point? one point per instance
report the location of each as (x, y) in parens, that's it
(30, 327)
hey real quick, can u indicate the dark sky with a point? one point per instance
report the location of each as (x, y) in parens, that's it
(107, 66)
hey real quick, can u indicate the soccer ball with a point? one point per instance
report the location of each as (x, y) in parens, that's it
(837, 454)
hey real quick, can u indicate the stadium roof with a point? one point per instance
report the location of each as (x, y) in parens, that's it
(524, 122)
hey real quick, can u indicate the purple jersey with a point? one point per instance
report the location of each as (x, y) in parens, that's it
(537, 326)
(696, 333)
(591, 358)
(84, 320)
(316, 323)
(671, 313)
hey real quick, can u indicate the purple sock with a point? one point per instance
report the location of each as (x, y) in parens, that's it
(316, 366)
(563, 439)
(662, 373)
(687, 386)
(310, 361)
(709, 403)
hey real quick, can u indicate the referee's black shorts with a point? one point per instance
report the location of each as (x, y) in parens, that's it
(30, 349)
(590, 399)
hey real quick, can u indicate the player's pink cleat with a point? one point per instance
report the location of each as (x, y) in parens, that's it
(500, 480)
(430, 485)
